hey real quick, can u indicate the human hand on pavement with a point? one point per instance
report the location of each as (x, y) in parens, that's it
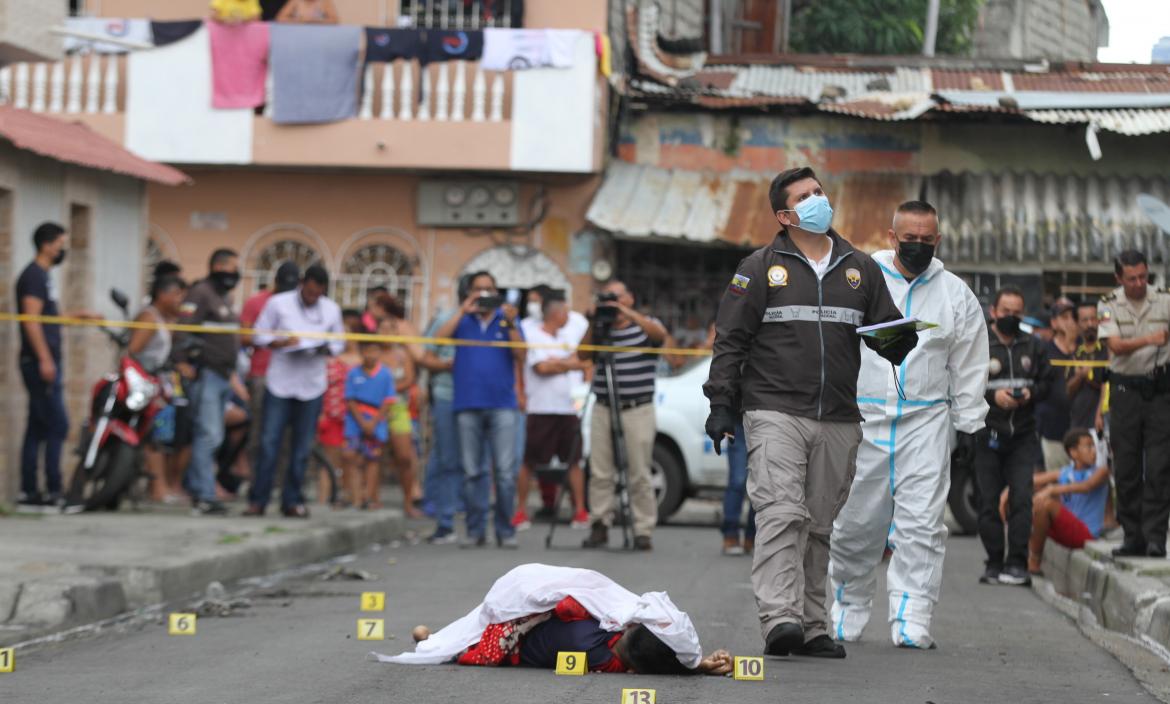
(720, 424)
(1003, 399)
(719, 662)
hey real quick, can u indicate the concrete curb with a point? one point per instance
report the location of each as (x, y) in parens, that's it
(35, 607)
(1127, 596)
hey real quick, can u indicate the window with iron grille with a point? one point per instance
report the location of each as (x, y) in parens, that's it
(461, 14)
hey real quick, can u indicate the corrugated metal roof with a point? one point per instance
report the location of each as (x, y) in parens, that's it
(812, 83)
(1127, 122)
(74, 143)
(646, 201)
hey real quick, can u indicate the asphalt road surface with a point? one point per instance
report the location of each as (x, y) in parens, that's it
(297, 642)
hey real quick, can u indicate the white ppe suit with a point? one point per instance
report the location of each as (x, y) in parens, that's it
(899, 493)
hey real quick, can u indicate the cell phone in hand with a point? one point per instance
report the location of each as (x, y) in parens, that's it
(488, 302)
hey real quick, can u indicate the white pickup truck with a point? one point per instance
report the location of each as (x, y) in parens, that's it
(685, 463)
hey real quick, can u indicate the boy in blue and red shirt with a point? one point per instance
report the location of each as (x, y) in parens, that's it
(369, 393)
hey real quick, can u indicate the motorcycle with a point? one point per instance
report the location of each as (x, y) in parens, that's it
(122, 411)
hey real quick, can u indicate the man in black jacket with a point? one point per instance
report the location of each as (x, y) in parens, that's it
(786, 356)
(1006, 450)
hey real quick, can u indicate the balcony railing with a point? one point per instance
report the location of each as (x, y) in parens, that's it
(403, 91)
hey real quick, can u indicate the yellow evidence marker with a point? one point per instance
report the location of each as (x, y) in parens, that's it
(749, 668)
(373, 601)
(181, 625)
(569, 663)
(7, 659)
(638, 696)
(371, 629)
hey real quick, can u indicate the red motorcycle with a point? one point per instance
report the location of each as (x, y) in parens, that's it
(122, 411)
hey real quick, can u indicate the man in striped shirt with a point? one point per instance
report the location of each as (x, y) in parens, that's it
(634, 379)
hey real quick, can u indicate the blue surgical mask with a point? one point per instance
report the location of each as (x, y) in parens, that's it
(815, 214)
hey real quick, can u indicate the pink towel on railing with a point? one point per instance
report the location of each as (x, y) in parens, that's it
(239, 64)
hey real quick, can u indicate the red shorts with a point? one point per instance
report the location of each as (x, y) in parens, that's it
(331, 432)
(1068, 530)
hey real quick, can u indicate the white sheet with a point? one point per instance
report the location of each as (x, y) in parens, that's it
(168, 107)
(535, 588)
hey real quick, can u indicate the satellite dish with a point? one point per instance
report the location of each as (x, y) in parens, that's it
(1157, 211)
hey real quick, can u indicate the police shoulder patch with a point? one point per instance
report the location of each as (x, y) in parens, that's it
(777, 276)
(994, 367)
(188, 308)
(853, 277)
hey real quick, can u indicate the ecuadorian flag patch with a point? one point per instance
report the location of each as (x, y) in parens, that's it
(739, 284)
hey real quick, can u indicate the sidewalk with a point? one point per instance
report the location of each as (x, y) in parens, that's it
(1130, 596)
(59, 571)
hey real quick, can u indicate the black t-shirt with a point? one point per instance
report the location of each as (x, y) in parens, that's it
(1084, 403)
(1054, 413)
(35, 282)
(541, 645)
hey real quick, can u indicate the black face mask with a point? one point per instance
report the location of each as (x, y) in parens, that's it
(915, 256)
(1008, 325)
(225, 280)
(59, 258)
(1090, 335)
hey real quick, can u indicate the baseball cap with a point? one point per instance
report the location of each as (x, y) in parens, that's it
(288, 275)
(1062, 306)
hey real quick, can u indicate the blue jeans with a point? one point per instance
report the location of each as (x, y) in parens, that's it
(444, 481)
(210, 394)
(300, 418)
(737, 473)
(48, 424)
(495, 427)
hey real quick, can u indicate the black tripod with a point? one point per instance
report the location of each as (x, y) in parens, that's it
(617, 437)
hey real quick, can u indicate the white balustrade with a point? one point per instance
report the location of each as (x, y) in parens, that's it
(268, 92)
(442, 95)
(406, 96)
(57, 87)
(110, 104)
(478, 96)
(424, 108)
(367, 109)
(93, 85)
(73, 103)
(497, 113)
(20, 92)
(387, 111)
(459, 91)
(40, 80)
(5, 85)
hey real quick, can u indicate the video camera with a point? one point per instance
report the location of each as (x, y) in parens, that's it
(605, 313)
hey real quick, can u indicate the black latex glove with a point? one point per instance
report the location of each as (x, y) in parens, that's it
(895, 350)
(964, 453)
(720, 424)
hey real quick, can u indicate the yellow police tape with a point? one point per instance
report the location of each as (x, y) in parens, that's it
(355, 336)
(1078, 363)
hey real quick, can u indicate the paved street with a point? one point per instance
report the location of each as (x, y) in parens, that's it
(298, 644)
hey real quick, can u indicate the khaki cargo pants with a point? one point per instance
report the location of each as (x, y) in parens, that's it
(799, 474)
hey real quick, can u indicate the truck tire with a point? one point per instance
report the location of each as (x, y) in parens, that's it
(669, 479)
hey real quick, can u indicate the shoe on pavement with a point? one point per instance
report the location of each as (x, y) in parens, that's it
(580, 520)
(821, 647)
(749, 546)
(598, 537)
(731, 546)
(30, 503)
(253, 511)
(1015, 576)
(642, 543)
(1130, 548)
(520, 520)
(990, 576)
(1155, 551)
(783, 639)
(509, 543)
(443, 537)
(298, 511)
(209, 508)
(473, 542)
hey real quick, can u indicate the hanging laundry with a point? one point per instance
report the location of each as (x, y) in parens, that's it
(518, 49)
(450, 45)
(314, 72)
(239, 63)
(384, 45)
(168, 107)
(164, 33)
(131, 30)
(235, 10)
(604, 53)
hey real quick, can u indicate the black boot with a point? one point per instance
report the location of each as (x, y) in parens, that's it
(598, 537)
(821, 647)
(783, 639)
(1130, 548)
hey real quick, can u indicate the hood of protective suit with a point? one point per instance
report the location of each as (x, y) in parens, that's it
(949, 365)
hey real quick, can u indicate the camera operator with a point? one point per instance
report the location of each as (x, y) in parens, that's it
(1007, 449)
(615, 322)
